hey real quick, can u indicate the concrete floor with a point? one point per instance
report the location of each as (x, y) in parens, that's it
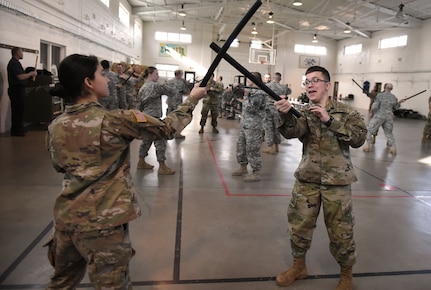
(204, 229)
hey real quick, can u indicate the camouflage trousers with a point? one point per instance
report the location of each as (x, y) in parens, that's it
(160, 149)
(387, 125)
(206, 108)
(106, 254)
(427, 129)
(303, 212)
(272, 119)
(248, 148)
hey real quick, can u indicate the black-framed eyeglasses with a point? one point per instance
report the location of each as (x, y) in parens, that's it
(313, 81)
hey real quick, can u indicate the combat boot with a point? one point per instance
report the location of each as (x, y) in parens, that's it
(297, 272)
(393, 150)
(215, 130)
(276, 147)
(270, 150)
(252, 177)
(201, 130)
(373, 139)
(241, 171)
(164, 170)
(144, 165)
(345, 282)
(367, 147)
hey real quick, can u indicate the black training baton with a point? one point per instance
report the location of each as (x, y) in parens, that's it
(229, 41)
(415, 95)
(251, 77)
(358, 85)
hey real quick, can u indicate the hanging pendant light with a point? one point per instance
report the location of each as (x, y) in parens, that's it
(270, 18)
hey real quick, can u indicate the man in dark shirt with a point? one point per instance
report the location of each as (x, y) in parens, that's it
(16, 78)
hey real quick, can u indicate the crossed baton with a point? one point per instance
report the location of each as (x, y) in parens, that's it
(222, 53)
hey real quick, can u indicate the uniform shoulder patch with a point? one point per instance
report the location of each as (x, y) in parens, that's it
(139, 116)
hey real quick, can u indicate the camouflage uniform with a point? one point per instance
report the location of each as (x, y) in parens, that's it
(427, 129)
(110, 102)
(181, 88)
(131, 93)
(382, 112)
(324, 176)
(122, 91)
(372, 95)
(90, 145)
(150, 102)
(250, 132)
(211, 103)
(272, 118)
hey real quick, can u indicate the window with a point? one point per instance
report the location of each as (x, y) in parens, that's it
(173, 37)
(106, 2)
(310, 49)
(353, 49)
(256, 44)
(166, 71)
(50, 56)
(124, 15)
(393, 42)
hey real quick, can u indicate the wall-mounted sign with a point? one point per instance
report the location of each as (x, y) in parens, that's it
(169, 49)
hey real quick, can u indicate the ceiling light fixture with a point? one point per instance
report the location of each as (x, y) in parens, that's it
(181, 12)
(270, 18)
(183, 27)
(297, 3)
(400, 13)
(315, 39)
(254, 31)
(347, 29)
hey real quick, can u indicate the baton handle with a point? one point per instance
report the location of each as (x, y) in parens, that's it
(229, 41)
(358, 85)
(35, 66)
(251, 77)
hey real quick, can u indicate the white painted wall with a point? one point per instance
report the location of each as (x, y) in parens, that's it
(407, 68)
(66, 25)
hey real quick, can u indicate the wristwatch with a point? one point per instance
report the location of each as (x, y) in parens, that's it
(329, 122)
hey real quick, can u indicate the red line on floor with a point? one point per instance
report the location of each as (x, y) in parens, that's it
(227, 192)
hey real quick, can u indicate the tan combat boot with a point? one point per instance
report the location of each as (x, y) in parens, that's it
(164, 170)
(373, 139)
(241, 171)
(345, 282)
(144, 165)
(252, 177)
(393, 150)
(215, 130)
(270, 150)
(276, 147)
(201, 130)
(367, 147)
(297, 272)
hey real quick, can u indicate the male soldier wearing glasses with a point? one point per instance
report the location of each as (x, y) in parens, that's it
(327, 129)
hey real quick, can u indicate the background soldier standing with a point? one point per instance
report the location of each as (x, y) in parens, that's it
(211, 103)
(426, 138)
(110, 102)
(181, 88)
(327, 130)
(150, 102)
(250, 132)
(382, 114)
(272, 118)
